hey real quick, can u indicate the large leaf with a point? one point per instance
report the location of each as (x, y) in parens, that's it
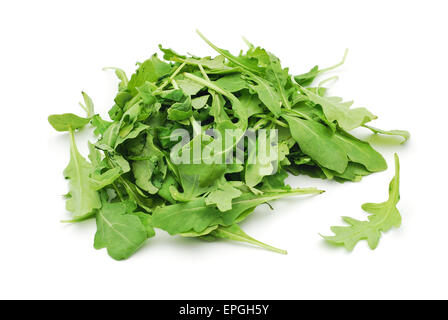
(361, 152)
(319, 142)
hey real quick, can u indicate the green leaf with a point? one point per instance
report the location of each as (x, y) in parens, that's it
(360, 152)
(403, 133)
(88, 105)
(180, 110)
(235, 233)
(151, 70)
(223, 196)
(67, 121)
(100, 124)
(318, 142)
(200, 102)
(148, 167)
(307, 78)
(336, 110)
(121, 75)
(196, 216)
(232, 83)
(189, 87)
(119, 231)
(83, 197)
(243, 62)
(261, 161)
(267, 94)
(383, 216)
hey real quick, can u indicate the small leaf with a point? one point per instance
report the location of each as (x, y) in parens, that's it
(67, 121)
(235, 233)
(403, 133)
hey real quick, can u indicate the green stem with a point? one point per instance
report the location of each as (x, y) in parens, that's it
(336, 65)
(210, 85)
(225, 53)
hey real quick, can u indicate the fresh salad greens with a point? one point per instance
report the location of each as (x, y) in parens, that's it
(383, 216)
(195, 144)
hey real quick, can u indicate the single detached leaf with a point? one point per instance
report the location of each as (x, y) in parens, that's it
(119, 231)
(83, 197)
(383, 216)
(403, 133)
(67, 121)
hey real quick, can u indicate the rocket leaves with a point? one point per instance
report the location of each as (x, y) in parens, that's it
(83, 198)
(195, 144)
(383, 216)
(67, 121)
(119, 231)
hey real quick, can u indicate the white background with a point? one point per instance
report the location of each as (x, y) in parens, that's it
(397, 67)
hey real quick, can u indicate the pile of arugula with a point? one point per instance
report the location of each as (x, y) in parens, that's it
(131, 186)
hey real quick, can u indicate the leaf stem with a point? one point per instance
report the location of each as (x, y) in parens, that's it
(336, 65)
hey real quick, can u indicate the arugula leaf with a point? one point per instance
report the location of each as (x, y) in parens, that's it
(267, 94)
(222, 197)
(232, 83)
(83, 197)
(196, 216)
(119, 231)
(383, 217)
(360, 152)
(150, 70)
(88, 105)
(121, 75)
(336, 110)
(67, 122)
(234, 232)
(242, 62)
(143, 175)
(403, 133)
(307, 78)
(319, 142)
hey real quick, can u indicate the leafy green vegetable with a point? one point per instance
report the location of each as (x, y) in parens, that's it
(234, 232)
(67, 121)
(403, 133)
(383, 216)
(337, 111)
(119, 231)
(195, 144)
(83, 198)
